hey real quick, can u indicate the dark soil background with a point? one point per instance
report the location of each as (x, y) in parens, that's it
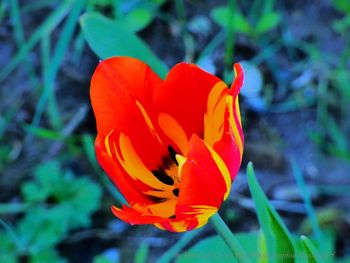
(274, 136)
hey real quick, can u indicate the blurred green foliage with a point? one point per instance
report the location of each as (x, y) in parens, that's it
(267, 20)
(55, 202)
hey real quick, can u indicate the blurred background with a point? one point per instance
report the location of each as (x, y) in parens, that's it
(54, 198)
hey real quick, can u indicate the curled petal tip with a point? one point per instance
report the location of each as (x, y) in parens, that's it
(238, 80)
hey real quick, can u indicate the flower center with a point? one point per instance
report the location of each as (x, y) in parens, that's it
(168, 172)
(165, 199)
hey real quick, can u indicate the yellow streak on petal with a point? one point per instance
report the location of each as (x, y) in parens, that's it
(233, 123)
(222, 168)
(159, 226)
(180, 160)
(165, 209)
(180, 226)
(108, 148)
(174, 131)
(214, 116)
(204, 213)
(134, 166)
(148, 121)
(238, 111)
(202, 210)
(160, 194)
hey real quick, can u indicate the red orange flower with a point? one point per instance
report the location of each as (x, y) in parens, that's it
(171, 147)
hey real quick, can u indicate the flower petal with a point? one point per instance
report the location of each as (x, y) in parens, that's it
(121, 96)
(230, 146)
(215, 113)
(205, 181)
(183, 95)
(129, 188)
(135, 217)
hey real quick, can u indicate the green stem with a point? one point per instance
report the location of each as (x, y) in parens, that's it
(180, 244)
(187, 38)
(230, 38)
(231, 241)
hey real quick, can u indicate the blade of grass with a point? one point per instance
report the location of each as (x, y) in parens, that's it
(43, 132)
(2, 10)
(276, 234)
(19, 38)
(312, 254)
(36, 5)
(12, 233)
(79, 44)
(67, 131)
(7, 117)
(48, 93)
(230, 239)
(45, 29)
(187, 38)
(142, 253)
(305, 193)
(16, 22)
(213, 44)
(45, 48)
(174, 250)
(230, 39)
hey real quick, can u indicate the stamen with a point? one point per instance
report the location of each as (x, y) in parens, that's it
(157, 199)
(164, 178)
(172, 154)
(176, 192)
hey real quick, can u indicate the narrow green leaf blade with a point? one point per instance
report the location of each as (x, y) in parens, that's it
(278, 239)
(312, 254)
(46, 28)
(221, 16)
(142, 253)
(109, 38)
(267, 22)
(137, 19)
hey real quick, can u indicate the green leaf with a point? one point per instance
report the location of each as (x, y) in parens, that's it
(142, 253)
(78, 197)
(276, 234)
(109, 38)
(49, 255)
(43, 228)
(221, 15)
(7, 248)
(337, 136)
(33, 193)
(263, 252)
(313, 256)
(267, 22)
(137, 19)
(342, 5)
(214, 249)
